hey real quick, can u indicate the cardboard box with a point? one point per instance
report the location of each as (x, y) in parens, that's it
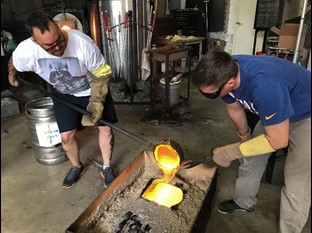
(287, 35)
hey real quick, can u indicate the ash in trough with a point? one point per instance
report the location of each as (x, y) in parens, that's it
(132, 224)
(121, 208)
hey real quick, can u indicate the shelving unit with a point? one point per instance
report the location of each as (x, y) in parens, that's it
(170, 57)
(192, 23)
(197, 54)
(283, 53)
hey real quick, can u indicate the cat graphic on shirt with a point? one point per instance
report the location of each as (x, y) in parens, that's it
(64, 82)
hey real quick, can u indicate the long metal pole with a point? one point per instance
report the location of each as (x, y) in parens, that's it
(85, 112)
(300, 31)
(134, 49)
(207, 26)
(130, 54)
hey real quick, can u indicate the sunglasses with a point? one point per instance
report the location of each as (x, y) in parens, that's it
(57, 44)
(215, 94)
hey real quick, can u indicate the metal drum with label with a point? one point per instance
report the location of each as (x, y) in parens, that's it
(46, 138)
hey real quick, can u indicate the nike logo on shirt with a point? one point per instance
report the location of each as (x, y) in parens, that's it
(270, 116)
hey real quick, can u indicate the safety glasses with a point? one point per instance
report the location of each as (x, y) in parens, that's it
(215, 94)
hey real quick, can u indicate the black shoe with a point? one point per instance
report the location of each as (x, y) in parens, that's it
(228, 207)
(73, 176)
(107, 175)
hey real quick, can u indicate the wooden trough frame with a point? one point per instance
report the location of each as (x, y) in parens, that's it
(201, 176)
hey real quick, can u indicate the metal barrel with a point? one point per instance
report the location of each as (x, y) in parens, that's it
(173, 95)
(46, 138)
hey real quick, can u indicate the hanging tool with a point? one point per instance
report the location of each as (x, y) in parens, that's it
(126, 20)
(145, 63)
(126, 48)
(173, 144)
(113, 38)
(119, 45)
(129, 78)
(106, 26)
(110, 42)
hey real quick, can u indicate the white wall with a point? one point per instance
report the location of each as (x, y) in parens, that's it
(236, 13)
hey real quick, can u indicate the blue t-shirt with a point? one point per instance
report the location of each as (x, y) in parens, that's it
(273, 88)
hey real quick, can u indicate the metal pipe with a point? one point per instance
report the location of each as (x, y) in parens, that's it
(135, 48)
(92, 159)
(102, 30)
(207, 27)
(130, 54)
(85, 112)
(300, 31)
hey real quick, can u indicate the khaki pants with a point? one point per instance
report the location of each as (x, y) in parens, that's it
(296, 192)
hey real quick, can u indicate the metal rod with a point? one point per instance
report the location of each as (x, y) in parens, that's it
(300, 31)
(85, 112)
(130, 57)
(134, 49)
(92, 159)
(207, 26)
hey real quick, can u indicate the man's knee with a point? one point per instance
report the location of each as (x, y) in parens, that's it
(105, 131)
(68, 136)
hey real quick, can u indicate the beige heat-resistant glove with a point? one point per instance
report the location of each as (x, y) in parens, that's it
(223, 156)
(99, 90)
(245, 137)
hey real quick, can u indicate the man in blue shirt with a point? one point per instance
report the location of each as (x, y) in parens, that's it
(279, 92)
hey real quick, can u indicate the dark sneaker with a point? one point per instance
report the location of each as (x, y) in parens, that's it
(107, 175)
(228, 207)
(73, 176)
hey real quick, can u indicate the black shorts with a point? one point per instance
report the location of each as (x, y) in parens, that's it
(69, 119)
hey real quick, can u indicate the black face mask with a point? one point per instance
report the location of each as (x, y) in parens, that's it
(215, 94)
(212, 95)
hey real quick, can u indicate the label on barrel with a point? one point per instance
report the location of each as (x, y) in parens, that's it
(48, 134)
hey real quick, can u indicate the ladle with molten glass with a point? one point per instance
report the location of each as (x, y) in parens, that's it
(168, 156)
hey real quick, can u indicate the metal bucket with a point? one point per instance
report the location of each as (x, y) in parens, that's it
(44, 130)
(174, 98)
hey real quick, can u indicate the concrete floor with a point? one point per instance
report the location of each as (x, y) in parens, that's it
(32, 197)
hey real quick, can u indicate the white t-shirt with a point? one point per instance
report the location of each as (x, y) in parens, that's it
(70, 73)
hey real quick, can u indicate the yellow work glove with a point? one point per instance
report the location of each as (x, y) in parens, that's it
(99, 90)
(223, 156)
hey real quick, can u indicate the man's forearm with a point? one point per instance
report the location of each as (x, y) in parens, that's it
(238, 116)
(12, 73)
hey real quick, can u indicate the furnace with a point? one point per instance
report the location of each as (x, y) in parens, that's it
(122, 209)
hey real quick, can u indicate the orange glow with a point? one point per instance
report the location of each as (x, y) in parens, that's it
(166, 157)
(94, 25)
(66, 24)
(165, 194)
(160, 191)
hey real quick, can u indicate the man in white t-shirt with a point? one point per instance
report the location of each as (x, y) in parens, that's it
(72, 63)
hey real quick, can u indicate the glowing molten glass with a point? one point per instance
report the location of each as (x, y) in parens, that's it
(160, 191)
(164, 194)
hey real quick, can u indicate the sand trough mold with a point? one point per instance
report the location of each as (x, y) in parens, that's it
(121, 208)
